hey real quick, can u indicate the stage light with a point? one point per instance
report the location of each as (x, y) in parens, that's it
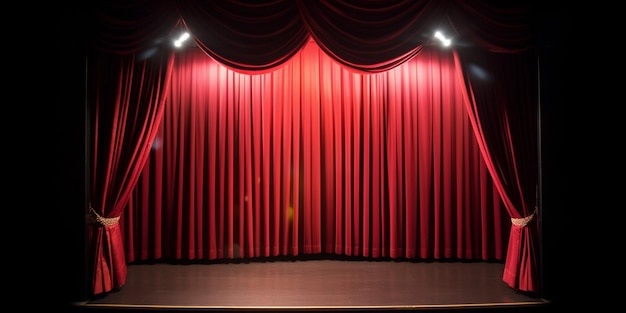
(179, 42)
(445, 41)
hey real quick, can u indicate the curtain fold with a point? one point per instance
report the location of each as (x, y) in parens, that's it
(250, 38)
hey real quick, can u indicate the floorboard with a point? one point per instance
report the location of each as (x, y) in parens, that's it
(316, 285)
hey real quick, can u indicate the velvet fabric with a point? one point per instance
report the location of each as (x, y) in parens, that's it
(317, 129)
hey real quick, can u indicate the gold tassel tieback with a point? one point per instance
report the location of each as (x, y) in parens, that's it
(523, 221)
(94, 217)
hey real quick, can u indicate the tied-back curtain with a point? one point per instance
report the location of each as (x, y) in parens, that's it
(501, 94)
(504, 116)
(128, 108)
(128, 72)
(315, 158)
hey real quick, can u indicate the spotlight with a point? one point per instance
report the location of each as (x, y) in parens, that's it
(445, 41)
(179, 42)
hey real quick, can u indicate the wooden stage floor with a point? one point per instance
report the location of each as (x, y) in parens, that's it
(316, 285)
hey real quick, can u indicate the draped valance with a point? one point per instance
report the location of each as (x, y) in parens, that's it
(366, 35)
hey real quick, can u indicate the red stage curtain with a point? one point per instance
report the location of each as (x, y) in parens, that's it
(316, 158)
(124, 125)
(260, 38)
(505, 124)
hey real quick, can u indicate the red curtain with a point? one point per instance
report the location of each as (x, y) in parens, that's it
(312, 158)
(260, 39)
(122, 135)
(506, 127)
